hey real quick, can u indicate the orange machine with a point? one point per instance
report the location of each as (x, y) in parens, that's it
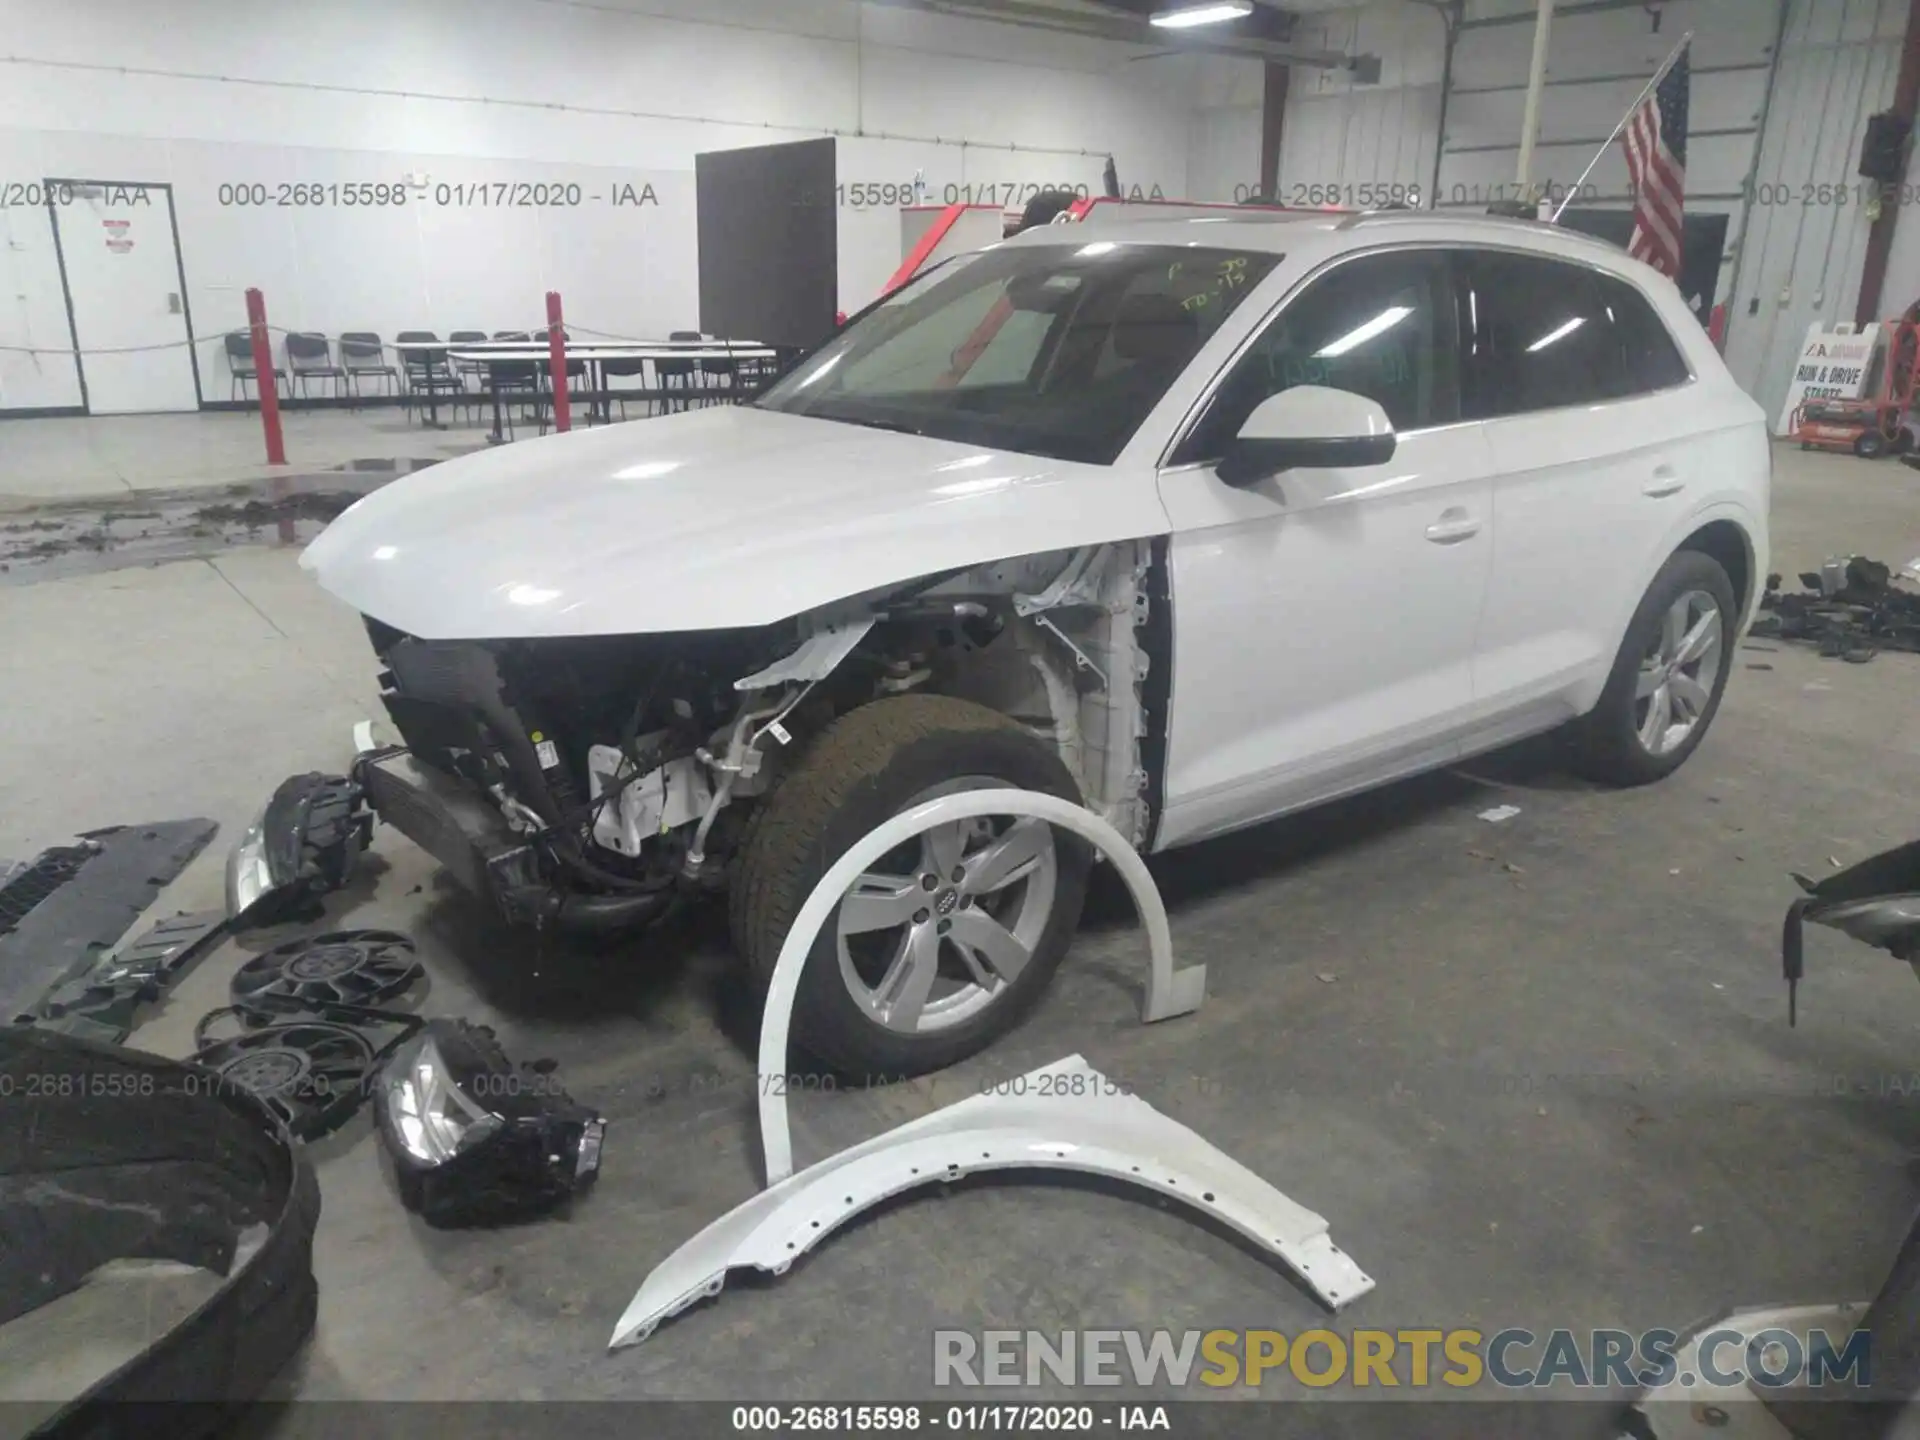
(1876, 425)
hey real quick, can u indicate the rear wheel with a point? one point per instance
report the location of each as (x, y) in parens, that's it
(1870, 444)
(1667, 680)
(945, 942)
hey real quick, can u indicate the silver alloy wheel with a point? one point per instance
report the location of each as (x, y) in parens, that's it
(1678, 674)
(942, 926)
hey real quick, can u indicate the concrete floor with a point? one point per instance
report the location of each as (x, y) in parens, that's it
(72, 459)
(1536, 1073)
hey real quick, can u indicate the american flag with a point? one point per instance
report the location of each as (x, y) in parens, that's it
(1656, 143)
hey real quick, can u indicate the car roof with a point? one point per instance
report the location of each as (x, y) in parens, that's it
(1278, 231)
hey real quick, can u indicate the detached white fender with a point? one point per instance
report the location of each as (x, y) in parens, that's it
(1063, 1116)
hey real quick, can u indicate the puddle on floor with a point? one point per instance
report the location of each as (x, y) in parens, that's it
(50, 542)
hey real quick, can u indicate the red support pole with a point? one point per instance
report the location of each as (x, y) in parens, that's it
(263, 378)
(557, 353)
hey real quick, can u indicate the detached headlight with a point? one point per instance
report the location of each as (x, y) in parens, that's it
(249, 876)
(475, 1139)
(433, 1120)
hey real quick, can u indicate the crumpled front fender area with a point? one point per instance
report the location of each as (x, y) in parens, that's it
(1063, 1116)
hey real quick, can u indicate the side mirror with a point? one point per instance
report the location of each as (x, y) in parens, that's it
(1308, 426)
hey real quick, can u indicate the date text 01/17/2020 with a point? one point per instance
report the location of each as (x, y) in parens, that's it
(891, 194)
(970, 1419)
(457, 194)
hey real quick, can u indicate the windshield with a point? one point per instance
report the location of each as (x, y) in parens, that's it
(1057, 350)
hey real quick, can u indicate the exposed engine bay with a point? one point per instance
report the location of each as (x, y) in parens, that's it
(589, 781)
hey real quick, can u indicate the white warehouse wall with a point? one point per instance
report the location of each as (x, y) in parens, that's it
(1344, 143)
(199, 94)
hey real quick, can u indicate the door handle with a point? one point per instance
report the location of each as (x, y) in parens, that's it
(1453, 527)
(1665, 482)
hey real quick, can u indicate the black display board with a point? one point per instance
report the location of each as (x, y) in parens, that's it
(1702, 244)
(769, 243)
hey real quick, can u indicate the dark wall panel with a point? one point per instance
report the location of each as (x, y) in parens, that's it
(769, 243)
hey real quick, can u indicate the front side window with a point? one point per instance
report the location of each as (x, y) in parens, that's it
(1059, 350)
(1381, 326)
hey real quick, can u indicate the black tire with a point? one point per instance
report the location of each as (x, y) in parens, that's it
(1870, 445)
(862, 770)
(1605, 746)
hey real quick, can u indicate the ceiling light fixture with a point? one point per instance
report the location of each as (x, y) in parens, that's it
(1212, 13)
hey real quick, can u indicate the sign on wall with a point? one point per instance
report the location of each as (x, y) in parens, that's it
(1834, 364)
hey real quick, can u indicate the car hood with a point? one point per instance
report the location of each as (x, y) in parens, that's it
(729, 516)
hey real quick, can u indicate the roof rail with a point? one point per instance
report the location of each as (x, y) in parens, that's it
(1379, 217)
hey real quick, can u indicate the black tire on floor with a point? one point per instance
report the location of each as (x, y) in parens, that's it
(1870, 445)
(862, 770)
(1605, 746)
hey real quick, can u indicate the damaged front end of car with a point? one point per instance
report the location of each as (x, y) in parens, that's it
(588, 782)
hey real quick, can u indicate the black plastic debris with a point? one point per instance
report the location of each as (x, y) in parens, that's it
(477, 1140)
(1877, 902)
(133, 1156)
(341, 967)
(102, 1002)
(1849, 608)
(34, 881)
(81, 912)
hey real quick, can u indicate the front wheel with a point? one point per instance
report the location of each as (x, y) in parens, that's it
(1667, 680)
(949, 939)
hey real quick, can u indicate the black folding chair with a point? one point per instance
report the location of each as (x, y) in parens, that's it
(427, 371)
(362, 353)
(611, 370)
(676, 374)
(717, 380)
(753, 373)
(519, 380)
(310, 357)
(475, 370)
(242, 369)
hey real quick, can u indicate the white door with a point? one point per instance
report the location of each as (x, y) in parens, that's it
(122, 272)
(1324, 619)
(1587, 413)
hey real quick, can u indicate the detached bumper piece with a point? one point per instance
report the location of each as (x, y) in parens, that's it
(72, 904)
(139, 1157)
(1877, 902)
(476, 1140)
(301, 846)
(1064, 1116)
(102, 1002)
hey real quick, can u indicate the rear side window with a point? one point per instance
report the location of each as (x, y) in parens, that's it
(1653, 361)
(1539, 337)
(1540, 334)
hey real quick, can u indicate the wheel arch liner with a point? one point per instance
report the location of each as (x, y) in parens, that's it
(1170, 992)
(1063, 1116)
(150, 1158)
